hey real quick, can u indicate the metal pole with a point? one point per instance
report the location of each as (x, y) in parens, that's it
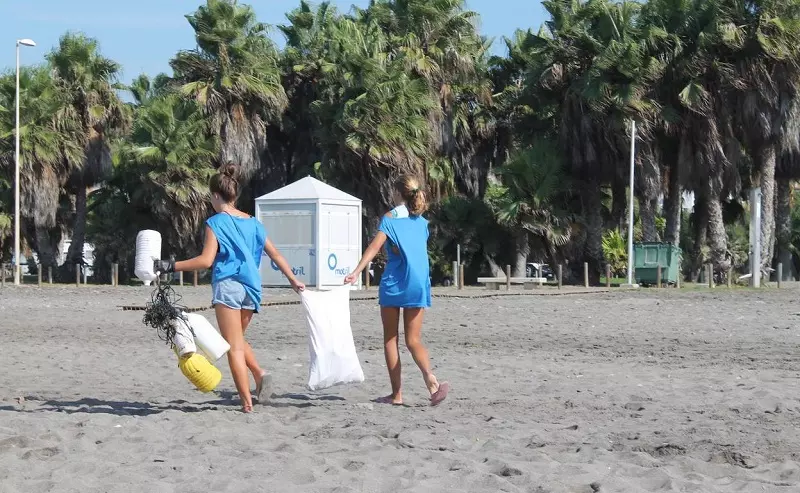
(630, 204)
(780, 273)
(16, 179)
(586, 274)
(457, 275)
(755, 237)
(508, 278)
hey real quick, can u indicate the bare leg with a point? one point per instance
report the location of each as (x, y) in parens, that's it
(263, 380)
(249, 355)
(230, 325)
(412, 328)
(391, 350)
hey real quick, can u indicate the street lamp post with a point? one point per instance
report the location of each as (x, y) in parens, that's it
(630, 283)
(20, 42)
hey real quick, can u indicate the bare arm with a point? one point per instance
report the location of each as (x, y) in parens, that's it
(282, 264)
(369, 254)
(206, 258)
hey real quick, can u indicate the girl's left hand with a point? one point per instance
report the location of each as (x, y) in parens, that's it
(298, 286)
(350, 279)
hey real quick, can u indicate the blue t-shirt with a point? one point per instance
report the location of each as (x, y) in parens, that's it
(241, 242)
(406, 281)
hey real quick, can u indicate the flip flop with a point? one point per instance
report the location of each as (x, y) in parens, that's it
(264, 386)
(441, 394)
(387, 400)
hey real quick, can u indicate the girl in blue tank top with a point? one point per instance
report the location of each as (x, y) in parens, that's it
(405, 284)
(232, 250)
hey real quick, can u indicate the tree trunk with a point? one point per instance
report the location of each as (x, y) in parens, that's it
(700, 232)
(46, 248)
(522, 251)
(717, 236)
(619, 204)
(766, 166)
(75, 252)
(673, 206)
(496, 270)
(783, 227)
(647, 216)
(593, 248)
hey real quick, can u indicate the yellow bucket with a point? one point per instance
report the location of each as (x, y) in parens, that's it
(200, 372)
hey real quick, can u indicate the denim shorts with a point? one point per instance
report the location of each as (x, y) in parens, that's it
(231, 294)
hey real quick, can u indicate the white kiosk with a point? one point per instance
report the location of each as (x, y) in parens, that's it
(316, 227)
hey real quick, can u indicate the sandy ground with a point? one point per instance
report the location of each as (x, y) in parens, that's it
(690, 391)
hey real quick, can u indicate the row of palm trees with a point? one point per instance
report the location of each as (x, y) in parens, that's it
(525, 155)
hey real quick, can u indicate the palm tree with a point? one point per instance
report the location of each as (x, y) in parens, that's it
(172, 156)
(438, 41)
(763, 47)
(531, 202)
(592, 66)
(88, 82)
(234, 76)
(47, 145)
(373, 122)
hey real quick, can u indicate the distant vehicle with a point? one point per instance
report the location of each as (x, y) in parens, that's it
(532, 270)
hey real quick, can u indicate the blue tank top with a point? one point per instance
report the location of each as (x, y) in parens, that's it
(406, 281)
(241, 243)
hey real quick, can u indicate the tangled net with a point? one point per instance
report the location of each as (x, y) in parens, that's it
(162, 310)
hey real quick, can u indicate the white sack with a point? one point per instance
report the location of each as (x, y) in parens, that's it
(333, 358)
(148, 249)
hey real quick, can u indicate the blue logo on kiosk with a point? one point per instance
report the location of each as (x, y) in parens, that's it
(298, 271)
(333, 262)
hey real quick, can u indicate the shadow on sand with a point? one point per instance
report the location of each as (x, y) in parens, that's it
(226, 399)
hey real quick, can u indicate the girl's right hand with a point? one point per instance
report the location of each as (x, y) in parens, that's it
(351, 278)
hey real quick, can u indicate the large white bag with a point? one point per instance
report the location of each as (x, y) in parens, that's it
(333, 358)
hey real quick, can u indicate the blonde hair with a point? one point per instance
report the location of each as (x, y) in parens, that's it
(409, 188)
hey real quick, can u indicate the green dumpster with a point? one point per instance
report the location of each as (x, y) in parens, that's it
(648, 256)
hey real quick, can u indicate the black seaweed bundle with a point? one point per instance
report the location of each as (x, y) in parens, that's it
(162, 310)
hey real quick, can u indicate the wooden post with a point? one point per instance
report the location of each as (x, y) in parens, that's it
(85, 278)
(658, 276)
(730, 276)
(3, 275)
(508, 278)
(586, 274)
(560, 275)
(366, 275)
(461, 277)
(39, 275)
(455, 273)
(77, 275)
(180, 278)
(608, 275)
(680, 275)
(50, 274)
(194, 281)
(780, 274)
(710, 275)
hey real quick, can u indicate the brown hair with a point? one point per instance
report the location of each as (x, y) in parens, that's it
(225, 183)
(409, 188)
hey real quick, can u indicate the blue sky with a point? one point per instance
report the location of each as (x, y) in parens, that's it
(143, 35)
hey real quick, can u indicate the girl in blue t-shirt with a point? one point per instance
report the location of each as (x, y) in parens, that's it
(405, 284)
(233, 246)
